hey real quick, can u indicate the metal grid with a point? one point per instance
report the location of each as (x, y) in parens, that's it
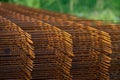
(16, 52)
(53, 47)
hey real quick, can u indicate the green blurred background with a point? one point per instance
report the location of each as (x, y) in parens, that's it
(108, 10)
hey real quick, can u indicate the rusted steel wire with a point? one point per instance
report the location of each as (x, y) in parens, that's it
(95, 57)
(16, 52)
(53, 48)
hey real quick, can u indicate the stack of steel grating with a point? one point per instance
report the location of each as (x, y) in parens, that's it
(53, 47)
(114, 31)
(97, 42)
(16, 52)
(90, 46)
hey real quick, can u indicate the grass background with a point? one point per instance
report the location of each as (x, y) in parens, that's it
(108, 10)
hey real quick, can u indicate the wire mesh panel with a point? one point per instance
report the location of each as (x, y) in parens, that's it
(16, 52)
(95, 41)
(114, 32)
(104, 42)
(53, 47)
(90, 46)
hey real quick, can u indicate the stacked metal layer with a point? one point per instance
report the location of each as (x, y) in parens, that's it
(53, 47)
(105, 59)
(101, 44)
(90, 46)
(16, 52)
(114, 31)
